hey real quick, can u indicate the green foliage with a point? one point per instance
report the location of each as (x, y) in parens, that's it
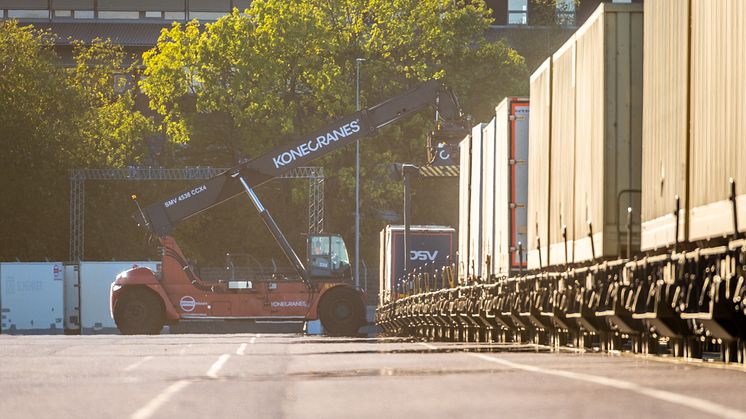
(251, 80)
(55, 119)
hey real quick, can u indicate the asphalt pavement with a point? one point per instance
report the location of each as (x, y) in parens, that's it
(295, 376)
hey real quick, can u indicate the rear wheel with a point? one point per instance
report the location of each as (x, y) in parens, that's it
(139, 312)
(341, 312)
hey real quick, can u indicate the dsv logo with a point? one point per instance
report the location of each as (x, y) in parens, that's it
(422, 255)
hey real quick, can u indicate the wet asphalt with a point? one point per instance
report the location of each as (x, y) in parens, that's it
(295, 376)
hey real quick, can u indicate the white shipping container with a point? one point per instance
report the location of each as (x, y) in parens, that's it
(511, 190)
(463, 206)
(717, 102)
(608, 132)
(665, 136)
(95, 287)
(31, 297)
(489, 181)
(562, 155)
(474, 263)
(539, 147)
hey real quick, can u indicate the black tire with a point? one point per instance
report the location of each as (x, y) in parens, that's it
(341, 312)
(139, 312)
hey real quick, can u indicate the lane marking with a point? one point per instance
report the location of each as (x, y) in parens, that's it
(706, 406)
(241, 349)
(152, 406)
(136, 364)
(427, 345)
(213, 371)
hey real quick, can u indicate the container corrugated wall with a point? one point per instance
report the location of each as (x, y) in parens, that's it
(718, 115)
(519, 166)
(490, 203)
(463, 206)
(664, 122)
(512, 184)
(561, 165)
(502, 182)
(608, 131)
(474, 266)
(538, 155)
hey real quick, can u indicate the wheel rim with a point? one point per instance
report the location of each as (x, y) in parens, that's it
(342, 310)
(134, 313)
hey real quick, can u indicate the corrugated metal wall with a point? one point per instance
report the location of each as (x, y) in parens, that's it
(538, 155)
(490, 206)
(518, 166)
(664, 121)
(464, 184)
(718, 113)
(608, 130)
(502, 187)
(475, 207)
(562, 160)
(589, 131)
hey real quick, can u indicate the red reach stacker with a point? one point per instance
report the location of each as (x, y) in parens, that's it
(142, 301)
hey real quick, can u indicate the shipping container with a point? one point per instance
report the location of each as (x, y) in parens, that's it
(538, 174)
(489, 204)
(717, 109)
(464, 199)
(474, 261)
(95, 288)
(664, 122)
(428, 245)
(72, 299)
(607, 131)
(511, 179)
(562, 155)
(32, 297)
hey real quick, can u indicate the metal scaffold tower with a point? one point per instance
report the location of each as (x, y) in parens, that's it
(78, 177)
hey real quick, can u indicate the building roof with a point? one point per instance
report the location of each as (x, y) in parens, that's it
(131, 34)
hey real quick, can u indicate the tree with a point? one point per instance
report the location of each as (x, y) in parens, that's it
(280, 69)
(55, 119)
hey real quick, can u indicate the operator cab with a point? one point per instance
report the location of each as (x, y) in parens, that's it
(327, 257)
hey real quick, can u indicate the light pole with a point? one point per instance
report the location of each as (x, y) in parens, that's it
(357, 177)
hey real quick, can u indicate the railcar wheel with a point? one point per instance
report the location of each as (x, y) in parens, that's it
(341, 312)
(139, 312)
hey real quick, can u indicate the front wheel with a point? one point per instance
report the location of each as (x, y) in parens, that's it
(139, 312)
(341, 312)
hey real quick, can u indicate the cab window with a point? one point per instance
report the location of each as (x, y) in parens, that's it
(340, 259)
(320, 252)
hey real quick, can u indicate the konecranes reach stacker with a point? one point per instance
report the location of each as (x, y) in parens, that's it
(142, 301)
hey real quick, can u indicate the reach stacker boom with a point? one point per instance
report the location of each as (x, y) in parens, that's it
(142, 301)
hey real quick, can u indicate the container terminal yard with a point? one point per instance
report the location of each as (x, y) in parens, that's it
(597, 268)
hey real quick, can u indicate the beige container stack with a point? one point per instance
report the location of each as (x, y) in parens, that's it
(539, 127)
(694, 119)
(593, 138)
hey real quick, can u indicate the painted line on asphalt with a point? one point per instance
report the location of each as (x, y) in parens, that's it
(427, 345)
(136, 364)
(705, 406)
(213, 371)
(149, 409)
(242, 348)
